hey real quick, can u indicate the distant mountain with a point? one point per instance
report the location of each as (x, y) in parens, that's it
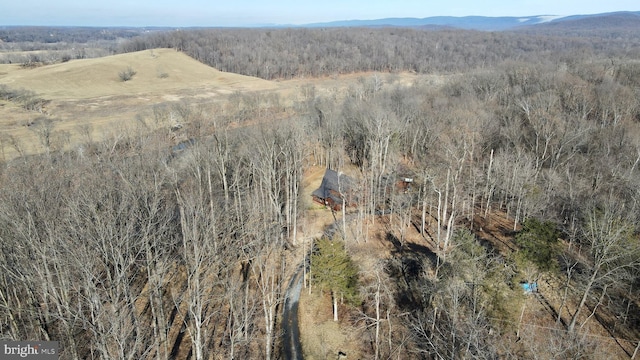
(467, 22)
(611, 15)
(485, 23)
(609, 26)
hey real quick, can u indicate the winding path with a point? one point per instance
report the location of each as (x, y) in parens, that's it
(292, 348)
(291, 345)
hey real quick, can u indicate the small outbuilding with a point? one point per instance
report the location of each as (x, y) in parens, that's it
(404, 184)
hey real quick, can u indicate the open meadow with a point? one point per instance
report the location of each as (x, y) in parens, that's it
(89, 94)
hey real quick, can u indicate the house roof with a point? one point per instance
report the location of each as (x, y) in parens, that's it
(333, 184)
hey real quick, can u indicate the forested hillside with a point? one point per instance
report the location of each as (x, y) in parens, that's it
(287, 53)
(524, 163)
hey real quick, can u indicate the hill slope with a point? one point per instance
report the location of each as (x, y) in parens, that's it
(157, 71)
(89, 94)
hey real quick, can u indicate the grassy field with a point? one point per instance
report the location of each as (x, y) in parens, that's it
(158, 72)
(90, 94)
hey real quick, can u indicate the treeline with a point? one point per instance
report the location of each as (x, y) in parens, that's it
(35, 45)
(288, 53)
(64, 35)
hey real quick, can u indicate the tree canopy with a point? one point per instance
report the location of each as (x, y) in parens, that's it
(332, 268)
(538, 242)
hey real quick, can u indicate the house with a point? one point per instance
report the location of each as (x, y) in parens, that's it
(334, 188)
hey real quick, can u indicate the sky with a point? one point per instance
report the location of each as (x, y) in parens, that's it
(186, 13)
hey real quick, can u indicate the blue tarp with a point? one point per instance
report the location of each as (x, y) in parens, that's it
(530, 287)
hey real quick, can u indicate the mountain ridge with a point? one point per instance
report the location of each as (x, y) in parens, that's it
(484, 23)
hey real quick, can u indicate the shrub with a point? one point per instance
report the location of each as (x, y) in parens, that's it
(161, 73)
(127, 74)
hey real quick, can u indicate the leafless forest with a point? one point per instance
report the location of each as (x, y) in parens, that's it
(142, 247)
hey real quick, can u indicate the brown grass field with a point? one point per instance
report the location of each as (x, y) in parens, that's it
(90, 92)
(98, 78)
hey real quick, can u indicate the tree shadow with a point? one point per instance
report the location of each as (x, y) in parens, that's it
(408, 263)
(545, 303)
(609, 322)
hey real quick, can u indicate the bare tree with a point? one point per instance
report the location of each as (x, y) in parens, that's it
(610, 250)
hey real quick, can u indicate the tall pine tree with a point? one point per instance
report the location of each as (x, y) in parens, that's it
(332, 270)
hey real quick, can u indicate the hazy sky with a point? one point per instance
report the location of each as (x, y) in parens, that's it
(253, 12)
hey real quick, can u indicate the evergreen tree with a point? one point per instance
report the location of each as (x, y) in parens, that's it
(333, 270)
(538, 242)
